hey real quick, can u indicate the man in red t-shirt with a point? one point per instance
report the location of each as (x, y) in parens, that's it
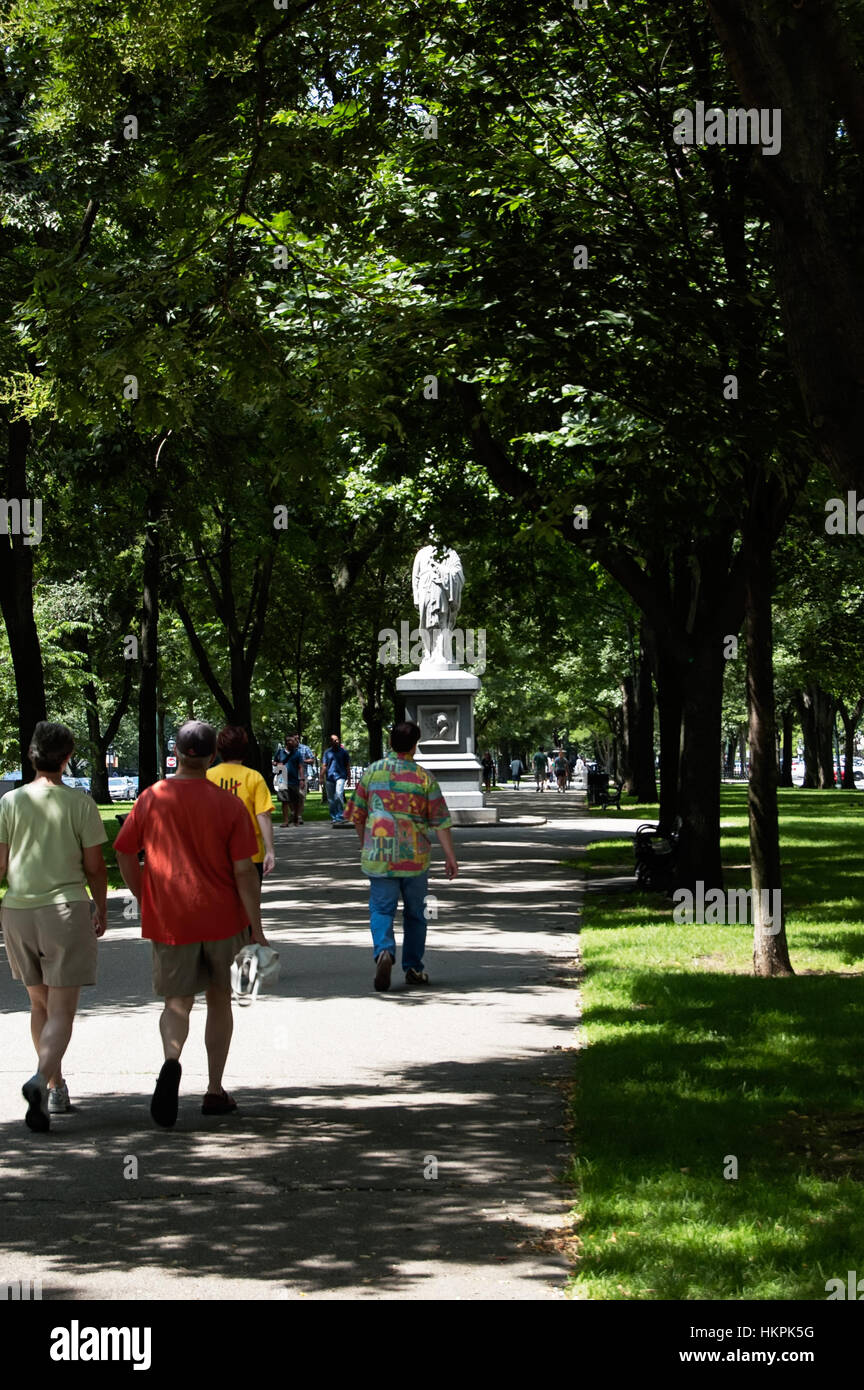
(198, 890)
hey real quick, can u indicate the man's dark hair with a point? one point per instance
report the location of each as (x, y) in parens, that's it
(232, 742)
(50, 746)
(404, 736)
(195, 739)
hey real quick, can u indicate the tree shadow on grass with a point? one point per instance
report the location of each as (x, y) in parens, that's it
(690, 1071)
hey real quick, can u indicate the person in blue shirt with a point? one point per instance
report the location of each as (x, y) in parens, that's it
(308, 758)
(296, 761)
(336, 769)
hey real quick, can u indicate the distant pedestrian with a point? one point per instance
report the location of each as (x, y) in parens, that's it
(198, 889)
(394, 806)
(336, 769)
(561, 769)
(306, 755)
(51, 839)
(294, 770)
(540, 766)
(232, 744)
(516, 770)
(488, 769)
(280, 788)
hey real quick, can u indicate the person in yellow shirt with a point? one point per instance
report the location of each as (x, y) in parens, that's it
(250, 787)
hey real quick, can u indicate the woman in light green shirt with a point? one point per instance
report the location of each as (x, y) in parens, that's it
(51, 841)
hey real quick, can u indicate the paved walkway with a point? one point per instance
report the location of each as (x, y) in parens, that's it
(399, 1146)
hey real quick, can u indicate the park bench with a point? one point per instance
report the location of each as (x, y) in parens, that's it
(610, 798)
(656, 855)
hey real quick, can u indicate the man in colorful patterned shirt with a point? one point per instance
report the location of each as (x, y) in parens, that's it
(394, 806)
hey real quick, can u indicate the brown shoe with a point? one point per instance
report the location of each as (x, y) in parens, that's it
(223, 1104)
(382, 974)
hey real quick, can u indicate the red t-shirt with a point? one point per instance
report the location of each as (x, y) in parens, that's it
(191, 832)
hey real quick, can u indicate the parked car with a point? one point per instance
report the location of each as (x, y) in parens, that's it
(81, 784)
(123, 788)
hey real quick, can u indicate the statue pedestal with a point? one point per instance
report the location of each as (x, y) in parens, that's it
(441, 701)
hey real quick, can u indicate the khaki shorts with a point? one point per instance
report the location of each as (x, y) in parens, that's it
(54, 945)
(179, 971)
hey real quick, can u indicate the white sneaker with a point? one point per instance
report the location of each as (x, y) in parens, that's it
(58, 1100)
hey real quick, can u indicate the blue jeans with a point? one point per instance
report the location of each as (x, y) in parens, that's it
(335, 790)
(384, 896)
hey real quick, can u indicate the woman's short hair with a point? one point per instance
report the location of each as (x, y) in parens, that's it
(50, 746)
(232, 742)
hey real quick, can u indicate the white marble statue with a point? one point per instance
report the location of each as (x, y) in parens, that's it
(437, 580)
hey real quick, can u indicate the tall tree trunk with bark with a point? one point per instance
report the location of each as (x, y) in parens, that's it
(642, 744)
(770, 948)
(804, 711)
(148, 767)
(699, 790)
(629, 724)
(16, 600)
(331, 707)
(823, 719)
(786, 756)
(730, 744)
(243, 633)
(851, 719)
(742, 749)
(98, 741)
(669, 712)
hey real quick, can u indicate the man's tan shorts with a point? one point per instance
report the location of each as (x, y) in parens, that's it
(179, 971)
(54, 945)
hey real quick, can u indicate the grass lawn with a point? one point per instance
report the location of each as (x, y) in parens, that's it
(691, 1062)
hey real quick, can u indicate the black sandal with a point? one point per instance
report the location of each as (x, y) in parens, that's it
(163, 1106)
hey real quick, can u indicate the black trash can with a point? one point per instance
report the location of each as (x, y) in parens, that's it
(598, 787)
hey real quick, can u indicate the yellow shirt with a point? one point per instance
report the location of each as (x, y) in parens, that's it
(252, 790)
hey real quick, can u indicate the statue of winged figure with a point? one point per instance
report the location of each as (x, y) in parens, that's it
(437, 581)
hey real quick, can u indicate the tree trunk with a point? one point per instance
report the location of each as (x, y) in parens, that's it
(629, 724)
(669, 710)
(742, 749)
(808, 737)
(148, 770)
(731, 744)
(331, 707)
(699, 784)
(298, 675)
(331, 716)
(161, 746)
(786, 755)
(642, 745)
(851, 719)
(823, 718)
(770, 948)
(374, 722)
(16, 602)
(816, 716)
(98, 741)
